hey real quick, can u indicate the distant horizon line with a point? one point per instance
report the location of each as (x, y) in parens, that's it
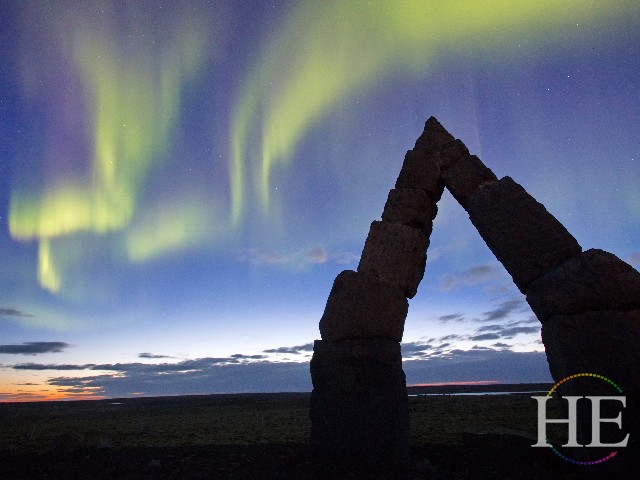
(140, 395)
(470, 382)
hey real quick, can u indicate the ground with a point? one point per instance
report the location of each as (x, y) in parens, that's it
(266, 437)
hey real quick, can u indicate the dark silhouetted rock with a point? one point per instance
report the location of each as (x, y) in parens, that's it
(434, 135)
(606, 343)
(420, 171)
(411, 207)
(591, 281)
(603, 343)
(465, 176)
(363, 306)
(435, 151)
(520, 232)
(359, 405)
(450, 154)
(396, 254)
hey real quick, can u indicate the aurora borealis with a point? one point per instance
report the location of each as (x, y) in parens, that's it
(364, 42)
(180, 182)
(121, 99)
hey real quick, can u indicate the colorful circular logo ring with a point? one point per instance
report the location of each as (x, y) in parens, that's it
(570, 377)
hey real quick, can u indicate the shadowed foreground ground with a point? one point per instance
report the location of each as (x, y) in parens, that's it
(266, 436)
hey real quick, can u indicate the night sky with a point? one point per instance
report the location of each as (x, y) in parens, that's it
(181, 181)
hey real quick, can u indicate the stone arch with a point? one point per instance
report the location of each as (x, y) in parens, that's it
(588, 302)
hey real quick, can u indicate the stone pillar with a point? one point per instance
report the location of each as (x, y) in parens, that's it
(589, 307)
(359, 405)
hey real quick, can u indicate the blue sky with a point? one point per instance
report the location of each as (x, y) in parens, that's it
(181, 182)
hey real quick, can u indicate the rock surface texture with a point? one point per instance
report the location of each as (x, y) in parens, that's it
(363, 306)
(397, 254)
(588, 303)
(359, 407)
(520, 232)
(592, 281)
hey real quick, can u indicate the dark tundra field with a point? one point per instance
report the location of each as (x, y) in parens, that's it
(266, 436)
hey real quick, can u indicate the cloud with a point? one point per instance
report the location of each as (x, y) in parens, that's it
(192, 366)
(34, 348)
(152, 356)
(315, 256)
(485, 336)
(410, 349)
(507, 331)
(505, 309)
(489, 328)
(21, 397)
(252, 373)
(12, 312)
(532, 320)
(210, 375)
(424, 361)
(472, 276)
(211, 378)
(240, 356)
(199, 364)
(494, 331)
(454, 317)
(503, 366)
(451, 336)
(40, 366)
(307, 347)
(414, 350)
(513, 331)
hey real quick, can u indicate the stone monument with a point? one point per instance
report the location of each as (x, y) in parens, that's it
(588, 302)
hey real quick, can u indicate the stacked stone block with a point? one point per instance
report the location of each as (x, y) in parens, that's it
(359, 407)
(362, 306)
(521, 233)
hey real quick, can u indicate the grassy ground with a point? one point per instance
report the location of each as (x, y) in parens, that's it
(267, 437)
(237, 420)
(156, 422)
